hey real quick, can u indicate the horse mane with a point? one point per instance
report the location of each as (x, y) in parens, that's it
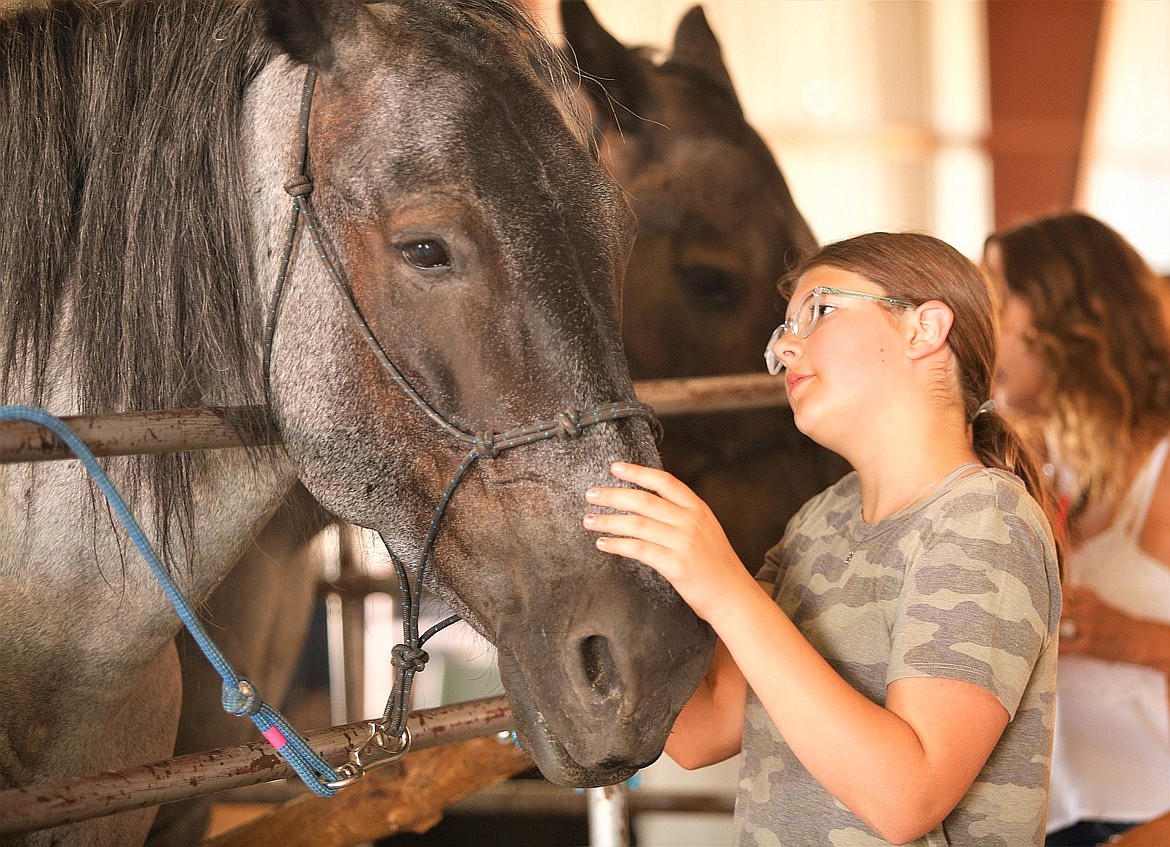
(125, 196)
(124, 213)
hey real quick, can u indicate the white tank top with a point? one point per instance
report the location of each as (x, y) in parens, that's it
(1111, 751)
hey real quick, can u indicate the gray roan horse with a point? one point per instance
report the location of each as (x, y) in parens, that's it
(717, 227)
(147, 147)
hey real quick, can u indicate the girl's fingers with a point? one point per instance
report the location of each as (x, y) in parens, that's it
(648, 553)
(630, 526)
(634, 500)
(655, 480)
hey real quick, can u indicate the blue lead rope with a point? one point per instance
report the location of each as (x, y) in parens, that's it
(239, 698)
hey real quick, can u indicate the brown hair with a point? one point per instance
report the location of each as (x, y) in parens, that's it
(917, 267)
(1098, 313)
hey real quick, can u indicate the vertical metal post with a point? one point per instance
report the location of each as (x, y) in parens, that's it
(334, 626)
(346, 627)
(609, 818)
(351, 558)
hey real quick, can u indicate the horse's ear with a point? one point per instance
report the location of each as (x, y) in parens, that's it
(695, 45)
(307, 29)
(610, 71)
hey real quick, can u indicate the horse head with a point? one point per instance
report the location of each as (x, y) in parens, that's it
(717, 227)
(457, 280)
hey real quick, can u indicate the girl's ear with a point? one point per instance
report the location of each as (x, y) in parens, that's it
(927, 328)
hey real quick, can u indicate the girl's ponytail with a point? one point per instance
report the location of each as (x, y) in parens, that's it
(998, 445)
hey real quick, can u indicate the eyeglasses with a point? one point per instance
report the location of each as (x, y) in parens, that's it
(804, 318)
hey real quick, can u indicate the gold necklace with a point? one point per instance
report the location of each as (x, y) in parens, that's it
(938, 482)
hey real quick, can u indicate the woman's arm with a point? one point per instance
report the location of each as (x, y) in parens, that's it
(901, 768)
(1091, 627)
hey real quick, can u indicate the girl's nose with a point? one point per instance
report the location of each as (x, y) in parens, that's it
(781, 348)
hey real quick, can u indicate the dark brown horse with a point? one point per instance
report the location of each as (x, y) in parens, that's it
(717, 228)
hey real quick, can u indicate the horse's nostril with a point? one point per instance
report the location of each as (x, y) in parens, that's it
(600, 669)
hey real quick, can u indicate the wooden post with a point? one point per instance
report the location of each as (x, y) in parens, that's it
(1040, 64)
(42, 805)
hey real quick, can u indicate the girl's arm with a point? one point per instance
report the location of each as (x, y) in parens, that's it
(709, 729)
(901, 768)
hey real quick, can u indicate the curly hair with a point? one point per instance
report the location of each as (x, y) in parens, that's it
(1097, 310)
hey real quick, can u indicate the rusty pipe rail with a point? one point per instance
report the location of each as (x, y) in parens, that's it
(132, 433)
(80, 798)
(136, 433)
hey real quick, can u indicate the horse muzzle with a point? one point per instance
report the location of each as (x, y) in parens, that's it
(596, 703)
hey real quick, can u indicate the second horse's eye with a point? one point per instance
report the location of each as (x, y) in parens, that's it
(426, 253)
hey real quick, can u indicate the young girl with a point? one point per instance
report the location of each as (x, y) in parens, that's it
(889, 672)
(1086, 358)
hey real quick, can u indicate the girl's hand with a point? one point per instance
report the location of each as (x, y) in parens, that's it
(668, 527)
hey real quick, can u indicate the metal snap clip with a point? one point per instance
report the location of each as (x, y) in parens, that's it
(349, 773)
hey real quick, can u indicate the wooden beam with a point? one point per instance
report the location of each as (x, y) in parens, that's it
(42, 805)
(409, 796)
(1041, 55)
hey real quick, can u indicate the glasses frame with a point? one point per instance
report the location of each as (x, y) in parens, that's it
(792, 324)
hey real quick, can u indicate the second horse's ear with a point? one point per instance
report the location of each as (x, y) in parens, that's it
(308, 30)
(695, 45)
(610, 72)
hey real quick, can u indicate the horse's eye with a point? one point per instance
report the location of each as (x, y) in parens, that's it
(426, 253)
(709, 287)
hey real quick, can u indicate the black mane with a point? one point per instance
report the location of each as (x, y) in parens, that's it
(123, 202)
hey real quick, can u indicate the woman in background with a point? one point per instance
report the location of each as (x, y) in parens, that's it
(1085, 363)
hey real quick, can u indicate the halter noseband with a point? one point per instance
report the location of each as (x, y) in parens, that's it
(408, 658)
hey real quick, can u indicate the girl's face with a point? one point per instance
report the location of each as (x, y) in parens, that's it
(837, 374)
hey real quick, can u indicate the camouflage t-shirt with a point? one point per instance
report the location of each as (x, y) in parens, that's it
(964, 586)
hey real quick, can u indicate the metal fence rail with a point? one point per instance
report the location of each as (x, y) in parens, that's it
(65, 801)
(132, 433)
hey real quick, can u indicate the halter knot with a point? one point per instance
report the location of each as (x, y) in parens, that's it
(570, 422)
(485, 445)
(299, 186)
(241, 699)
(411, 658)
